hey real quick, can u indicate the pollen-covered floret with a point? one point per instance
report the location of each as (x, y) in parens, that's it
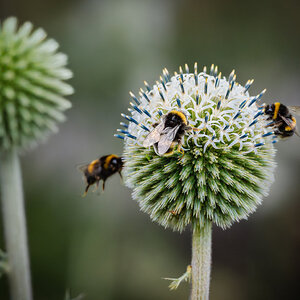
(227, 165)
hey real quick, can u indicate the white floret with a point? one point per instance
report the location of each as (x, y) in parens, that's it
(221, 127)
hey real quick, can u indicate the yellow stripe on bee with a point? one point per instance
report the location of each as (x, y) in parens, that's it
(292, 126)
(277, 105)
(108, 160)
(180, 115)
(287, 128)
(91, 165)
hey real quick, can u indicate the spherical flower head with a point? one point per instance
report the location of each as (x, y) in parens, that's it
(31, 85)
(228, 161)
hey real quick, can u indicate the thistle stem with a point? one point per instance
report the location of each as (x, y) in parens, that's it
(201, 262)
(15, 225)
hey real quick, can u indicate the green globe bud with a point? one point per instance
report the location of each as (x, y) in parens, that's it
(31, 85)
(227, 166)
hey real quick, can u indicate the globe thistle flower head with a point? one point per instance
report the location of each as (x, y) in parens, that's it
(31, 85)
(228, 161)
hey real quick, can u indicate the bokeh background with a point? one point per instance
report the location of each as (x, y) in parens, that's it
(102, 245)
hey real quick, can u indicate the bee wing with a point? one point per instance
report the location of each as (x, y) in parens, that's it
(291, 124)
(82, 167)
(287, 121)
(166, 140)
(295, 109)
(154, 136)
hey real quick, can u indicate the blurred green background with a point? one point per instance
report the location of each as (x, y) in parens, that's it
(102, 245)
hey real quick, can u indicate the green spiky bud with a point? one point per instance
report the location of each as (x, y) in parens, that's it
(227, 166)
(31, 85)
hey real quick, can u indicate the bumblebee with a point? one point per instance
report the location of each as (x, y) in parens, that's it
(283, 122)
(101, 169)
(168, 132)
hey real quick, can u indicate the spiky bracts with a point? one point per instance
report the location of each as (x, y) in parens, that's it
(31, 85)
(219, 186)
(228, 165)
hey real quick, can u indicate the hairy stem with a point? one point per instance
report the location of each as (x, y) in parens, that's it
(15, 226)
(201, 263)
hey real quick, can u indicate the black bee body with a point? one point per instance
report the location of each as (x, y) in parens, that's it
(283, 122)
(173, 119)
(101, 169)
(91, 172)
(168, 132)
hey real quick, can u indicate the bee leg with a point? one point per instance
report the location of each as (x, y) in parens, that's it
(171, 149)
(96, 186)
(170, 153)
(182, 154)
(120, 175)
(274, 124)
(86, 190)
(103, 185)
(190, 128)
(179, 148)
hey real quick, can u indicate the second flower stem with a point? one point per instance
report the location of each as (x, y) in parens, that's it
(15, 226)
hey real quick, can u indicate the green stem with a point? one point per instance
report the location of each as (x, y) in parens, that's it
(15, 225)
(201, 263)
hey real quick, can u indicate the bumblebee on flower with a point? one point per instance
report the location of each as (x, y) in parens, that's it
(170, 130)
(216, 107)
(223, 133)
(227, 166)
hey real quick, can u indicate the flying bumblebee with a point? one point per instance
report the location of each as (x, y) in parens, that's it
(283, 122)
(101, 169)
(168, 132)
